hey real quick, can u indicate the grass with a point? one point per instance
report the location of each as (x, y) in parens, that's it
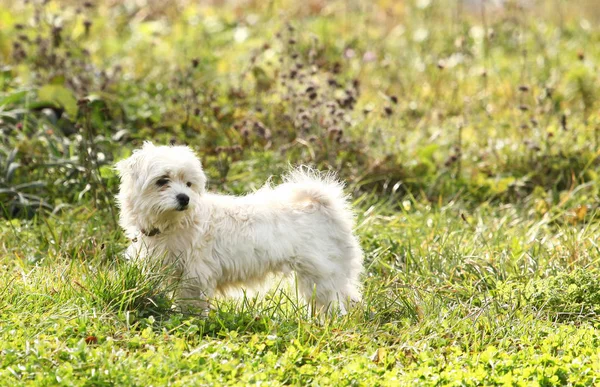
(478, 301)
(468, 138)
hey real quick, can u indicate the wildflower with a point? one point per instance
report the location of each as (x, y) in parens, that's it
(369, 56)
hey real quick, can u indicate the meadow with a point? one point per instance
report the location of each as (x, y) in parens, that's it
(467, 135)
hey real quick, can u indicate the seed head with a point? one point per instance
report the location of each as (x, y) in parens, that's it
(87, 25)
(337, 68)
(56, 37)
(563, 122)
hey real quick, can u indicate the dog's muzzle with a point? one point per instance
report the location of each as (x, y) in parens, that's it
(182, 200)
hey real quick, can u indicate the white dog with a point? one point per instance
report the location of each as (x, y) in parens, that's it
(303, 225)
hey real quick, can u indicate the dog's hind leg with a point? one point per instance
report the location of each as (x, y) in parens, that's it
(331, 287)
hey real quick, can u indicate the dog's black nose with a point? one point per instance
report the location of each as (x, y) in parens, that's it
(183, 199)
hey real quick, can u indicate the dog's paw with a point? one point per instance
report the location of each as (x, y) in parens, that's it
(198, 308)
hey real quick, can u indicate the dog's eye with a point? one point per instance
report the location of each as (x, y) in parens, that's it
(189, 184)
(162, 182)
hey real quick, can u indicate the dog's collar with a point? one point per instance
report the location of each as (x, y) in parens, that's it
(151, 233)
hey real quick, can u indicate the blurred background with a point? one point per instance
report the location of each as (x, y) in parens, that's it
(440, 99)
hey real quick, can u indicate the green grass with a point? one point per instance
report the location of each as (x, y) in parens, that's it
(478, 301)
(469, 141)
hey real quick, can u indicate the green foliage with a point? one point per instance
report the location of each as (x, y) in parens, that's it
(59, 95)
(123, 286)
(566, 296)
(582, 85)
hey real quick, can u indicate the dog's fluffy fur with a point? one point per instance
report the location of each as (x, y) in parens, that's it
(303, 225)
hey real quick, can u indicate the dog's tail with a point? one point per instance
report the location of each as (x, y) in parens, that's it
(311, 187)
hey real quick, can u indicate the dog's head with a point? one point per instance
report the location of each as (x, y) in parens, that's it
(159, 185)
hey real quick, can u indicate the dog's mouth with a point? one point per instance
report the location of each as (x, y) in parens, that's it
(182, 208)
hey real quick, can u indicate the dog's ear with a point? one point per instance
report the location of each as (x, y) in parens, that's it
(148, 145)
(125, 168)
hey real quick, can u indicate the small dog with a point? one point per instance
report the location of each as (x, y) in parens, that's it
(221, 242)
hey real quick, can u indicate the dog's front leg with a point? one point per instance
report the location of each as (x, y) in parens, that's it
(194, 297)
